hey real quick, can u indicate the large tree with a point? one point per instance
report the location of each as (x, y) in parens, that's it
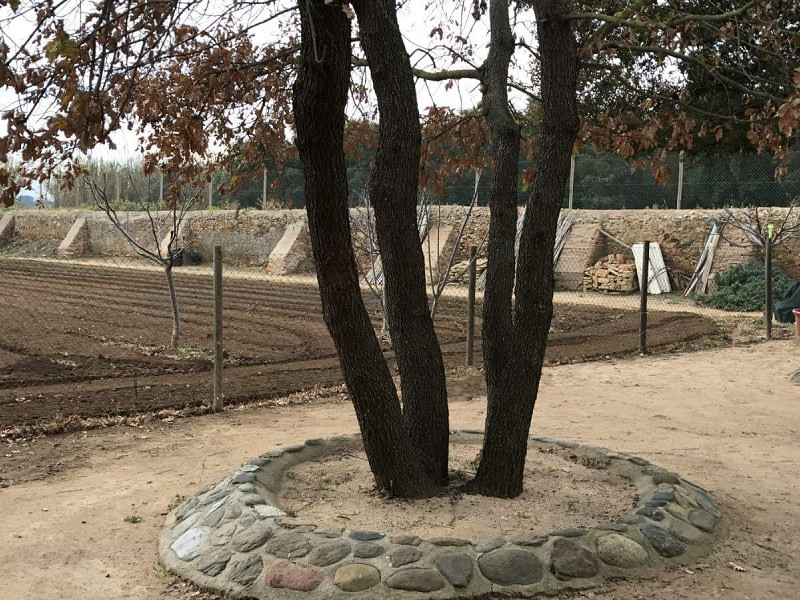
(643, 75)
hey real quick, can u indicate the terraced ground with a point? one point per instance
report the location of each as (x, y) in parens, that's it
(89, 340)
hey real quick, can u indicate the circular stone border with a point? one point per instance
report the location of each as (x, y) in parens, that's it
(231, 537)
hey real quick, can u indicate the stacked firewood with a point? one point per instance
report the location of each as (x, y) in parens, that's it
(612, 273)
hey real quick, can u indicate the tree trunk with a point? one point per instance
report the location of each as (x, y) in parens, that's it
(320, 98)
(393, 194)
(497, 313)
(173, 301)
(511, 399)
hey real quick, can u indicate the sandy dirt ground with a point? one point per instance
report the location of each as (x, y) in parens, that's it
(728, 419)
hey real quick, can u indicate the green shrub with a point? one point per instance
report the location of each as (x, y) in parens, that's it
(741, 287)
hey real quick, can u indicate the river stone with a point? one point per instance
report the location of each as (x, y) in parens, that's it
(631, 519)
(246, 488)
(266, 511)
(404, 555)
(272, 454)
(245, 570)
(251, 538)
(570, 532)
(416, 580)
(213, 563)
(244, 478)
(289, 545)
(293, 448)
(367, 550)
(366, 536)
(687, 533)
(670, 478)
(247, 519)
(613, 527)
(651, 512)
(328, 553)
(189, 545)
(221, 536)
(213, 518)
(259, 461)
(666, 545)
(456, 567)
(315, 442)
(663, 497)
(290, 576)
(487, 544)
(407, 540)
(249, 468)
(329, 533)
(619, 551)
(530, 539)
(356, 577)
(252, 500)
(510, 566)
(448, 541)
(702, 519)
(185, 507)
(216, 495)
(568, 560)
(233, 511)
(186, 525)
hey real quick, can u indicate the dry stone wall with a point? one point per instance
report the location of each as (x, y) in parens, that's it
(251, 236)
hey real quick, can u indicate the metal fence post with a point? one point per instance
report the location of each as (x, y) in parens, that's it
(680, 180)
(571, 181)
(218, 397)
(768, 287)
(264, 191)
(473, 251)
(644, 281)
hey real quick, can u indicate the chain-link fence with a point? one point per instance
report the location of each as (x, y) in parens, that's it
(87, 322)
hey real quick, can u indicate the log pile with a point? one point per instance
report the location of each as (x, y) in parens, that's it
(612, 273)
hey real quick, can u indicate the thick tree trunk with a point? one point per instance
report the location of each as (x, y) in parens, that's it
(497, 312)
(320, 98)
(511, 399)
(173, 302)
(393, 194)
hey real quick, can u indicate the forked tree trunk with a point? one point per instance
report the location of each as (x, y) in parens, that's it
(393, 194)
(173, 301)
(320, 98)
(512, 394)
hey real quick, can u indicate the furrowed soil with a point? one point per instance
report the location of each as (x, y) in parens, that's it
(88, 341)
(728, 419)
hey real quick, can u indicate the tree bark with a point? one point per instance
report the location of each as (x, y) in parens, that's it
(512, 397)
(173, 302)
(320, 98)
(498, 324)
(393, 194)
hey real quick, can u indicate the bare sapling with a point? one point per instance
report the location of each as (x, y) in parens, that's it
(161, 243)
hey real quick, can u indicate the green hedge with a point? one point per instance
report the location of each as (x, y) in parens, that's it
(741, 288)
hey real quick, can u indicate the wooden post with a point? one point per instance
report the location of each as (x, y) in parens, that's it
(218, 397)
(644, 281)
(473, 251)
(161, 191)
(768, 288)
(680, 181)
(571, 181)
(211, 194)
(117, 182)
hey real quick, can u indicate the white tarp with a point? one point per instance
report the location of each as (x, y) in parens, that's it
(658, 280)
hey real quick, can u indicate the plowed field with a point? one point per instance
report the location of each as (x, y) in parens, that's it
(89, 341)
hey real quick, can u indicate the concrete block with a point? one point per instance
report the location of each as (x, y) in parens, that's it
(76, 243)
(292, 254)
(7, 227)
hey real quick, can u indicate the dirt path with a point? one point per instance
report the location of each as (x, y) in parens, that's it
(728, 419)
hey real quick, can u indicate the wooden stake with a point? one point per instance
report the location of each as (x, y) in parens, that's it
(218, 396)
(644, 281)
(473, 251)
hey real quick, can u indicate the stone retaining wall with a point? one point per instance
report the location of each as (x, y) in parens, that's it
(232, 537)
(250, 236)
